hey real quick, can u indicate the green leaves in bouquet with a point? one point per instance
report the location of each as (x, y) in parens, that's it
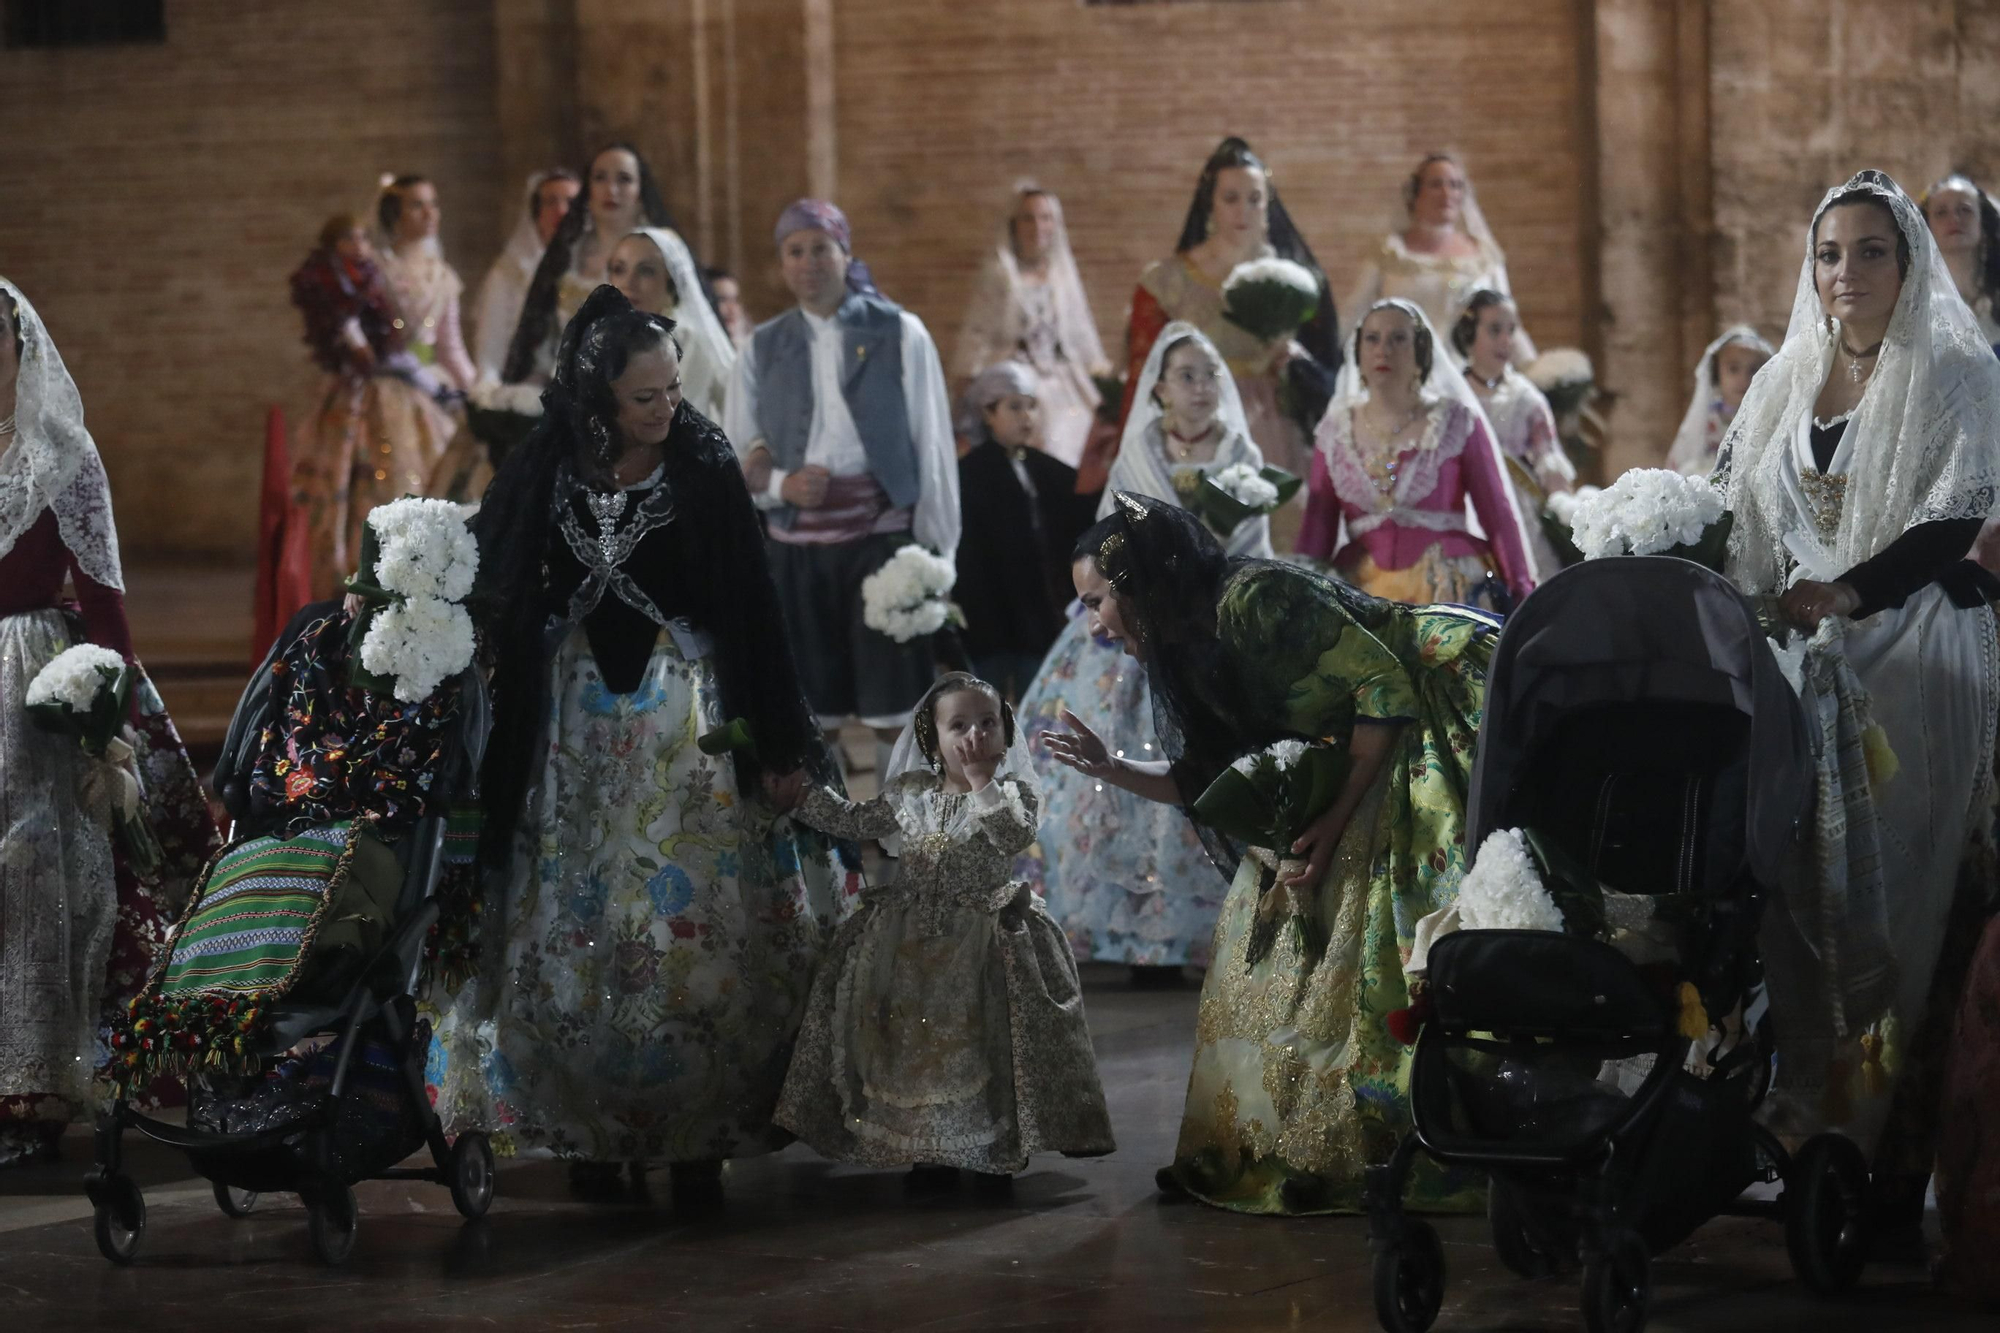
(1271, 806)
(1560, 538)
(1110, 397)
(1224, 512)
(1269, 311)
(728, 738)
(96, 727)
(1713, 548)
(500, 431)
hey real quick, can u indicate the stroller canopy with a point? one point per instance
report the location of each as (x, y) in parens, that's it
(1632, 630)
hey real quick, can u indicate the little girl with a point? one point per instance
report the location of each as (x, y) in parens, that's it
(945, 1027)
(1721, 378)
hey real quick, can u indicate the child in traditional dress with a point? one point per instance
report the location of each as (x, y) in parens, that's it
(945, 1028)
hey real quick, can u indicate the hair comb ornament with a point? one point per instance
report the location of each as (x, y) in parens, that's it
(1135, 508)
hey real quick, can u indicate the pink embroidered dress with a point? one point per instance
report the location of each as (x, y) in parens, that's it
(1407, 536)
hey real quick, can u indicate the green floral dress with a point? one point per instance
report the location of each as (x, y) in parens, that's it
(1297, 1085)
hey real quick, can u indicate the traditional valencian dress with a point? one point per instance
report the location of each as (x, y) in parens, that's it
(1524, 427)
(1043, 322)
(427, 291)
(1886, 499)
(1175, 289)
(646, 956)
(1404, 508)
(79, 926)
(1297, 1085)
(946, 1025)
(1125, 877)
(378, 430)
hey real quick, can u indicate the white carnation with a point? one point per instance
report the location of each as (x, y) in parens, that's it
(1272, 272)
(1560, 367)
(906, 598)
(1644, 512)
(1246, 485)
(425, 548)
(1561, 505)
(1283, 755)
(419, 642)
(73, 677)
(1503, 891)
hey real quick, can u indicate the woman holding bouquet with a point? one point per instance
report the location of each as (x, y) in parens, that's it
(1236, 218)
(1859, 469)
(1404, 450)
(650, 930)
(83, 918)
(1297, 1083)
(1124, 878)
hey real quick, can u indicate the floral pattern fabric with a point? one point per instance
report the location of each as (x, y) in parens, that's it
(946, 1026)
(335, 752)
(644, 966)
(1297, 1085)
(1126, 879)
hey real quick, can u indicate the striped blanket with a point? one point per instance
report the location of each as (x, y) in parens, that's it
(251, 925)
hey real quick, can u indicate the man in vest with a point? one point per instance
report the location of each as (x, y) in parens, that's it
(839, 413)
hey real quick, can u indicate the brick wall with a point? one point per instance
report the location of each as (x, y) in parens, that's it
(942, 106)
(1806, 92)
(157, 198)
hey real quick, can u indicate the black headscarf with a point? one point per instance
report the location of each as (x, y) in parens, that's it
(1321, 335)
(538, 310)
(713, 535)
(1209, 707)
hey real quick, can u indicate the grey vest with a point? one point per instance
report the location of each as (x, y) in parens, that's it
(871, 380)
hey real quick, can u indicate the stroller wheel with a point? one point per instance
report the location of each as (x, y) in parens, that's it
(1618, 1285)
(472, 1174)
(120, 1218)
(1409, 1279)
(1515, 1243)
(1826, 1219)
(234, 1202)
(331, 1221)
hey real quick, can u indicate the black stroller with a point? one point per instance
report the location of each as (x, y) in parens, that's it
(350, 1111)
(1636, 720)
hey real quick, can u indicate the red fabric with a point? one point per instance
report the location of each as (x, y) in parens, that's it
(284, 559)
(1472, 474)
(31, 579)
(1148, 318)
(1968, 1161)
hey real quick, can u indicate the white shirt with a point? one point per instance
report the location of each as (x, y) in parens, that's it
(834, 443)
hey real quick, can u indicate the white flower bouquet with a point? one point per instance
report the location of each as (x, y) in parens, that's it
(909, 597)
(1270, 298)
(418, 563)
(1267, 800)
(86, 692)
(1566, 378)
(1653, 511)
(1225, 498)
(1518, 881)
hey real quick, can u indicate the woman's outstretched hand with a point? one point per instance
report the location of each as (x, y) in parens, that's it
(1080, 748)
(1316, 844)
(1808, 602)
(785, 791)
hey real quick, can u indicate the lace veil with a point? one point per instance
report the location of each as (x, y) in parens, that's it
(1925, 437)
(994, 321)
(697, 327)
(51, 462)
(1445, 383)
(1138, 467)
(1691, 440)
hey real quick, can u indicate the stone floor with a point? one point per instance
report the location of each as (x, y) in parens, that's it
(802, 1244)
